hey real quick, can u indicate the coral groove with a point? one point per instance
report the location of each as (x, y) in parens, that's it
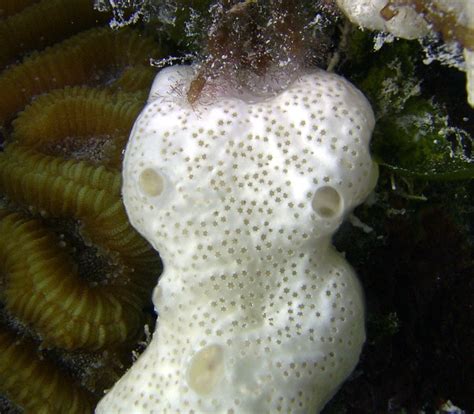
(94, 57)
(49, 390)
(44, 23)
(70, 120)
(9, 7)
(75, 277)
(43, 289)
(69, 188)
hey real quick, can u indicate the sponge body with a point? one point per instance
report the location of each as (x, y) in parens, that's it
(257, 312)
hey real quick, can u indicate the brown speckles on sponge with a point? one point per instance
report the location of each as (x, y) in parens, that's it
(257, 312)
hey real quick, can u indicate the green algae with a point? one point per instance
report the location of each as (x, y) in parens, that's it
(414, 135)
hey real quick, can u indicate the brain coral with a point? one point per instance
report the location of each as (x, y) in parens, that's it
(44, 23)
(257, 311)
(75, 278)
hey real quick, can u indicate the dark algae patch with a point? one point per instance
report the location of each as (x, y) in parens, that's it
(416, 263)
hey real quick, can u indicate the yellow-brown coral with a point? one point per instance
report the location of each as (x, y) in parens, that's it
(79, 121)
(43, 24)
(49, 390)
(44, 290)
(94, 57)
(9, 7)
(75, 278)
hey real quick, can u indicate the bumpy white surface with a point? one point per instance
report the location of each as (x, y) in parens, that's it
(366, 13)
(257, 311)
(469, 54)
(469, 57)
(409, 25)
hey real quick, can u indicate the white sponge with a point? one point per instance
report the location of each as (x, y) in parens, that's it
(257, 313)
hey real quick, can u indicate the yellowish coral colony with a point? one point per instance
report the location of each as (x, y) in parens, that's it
(75, 277)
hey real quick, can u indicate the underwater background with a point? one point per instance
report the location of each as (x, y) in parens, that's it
(76, 279)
